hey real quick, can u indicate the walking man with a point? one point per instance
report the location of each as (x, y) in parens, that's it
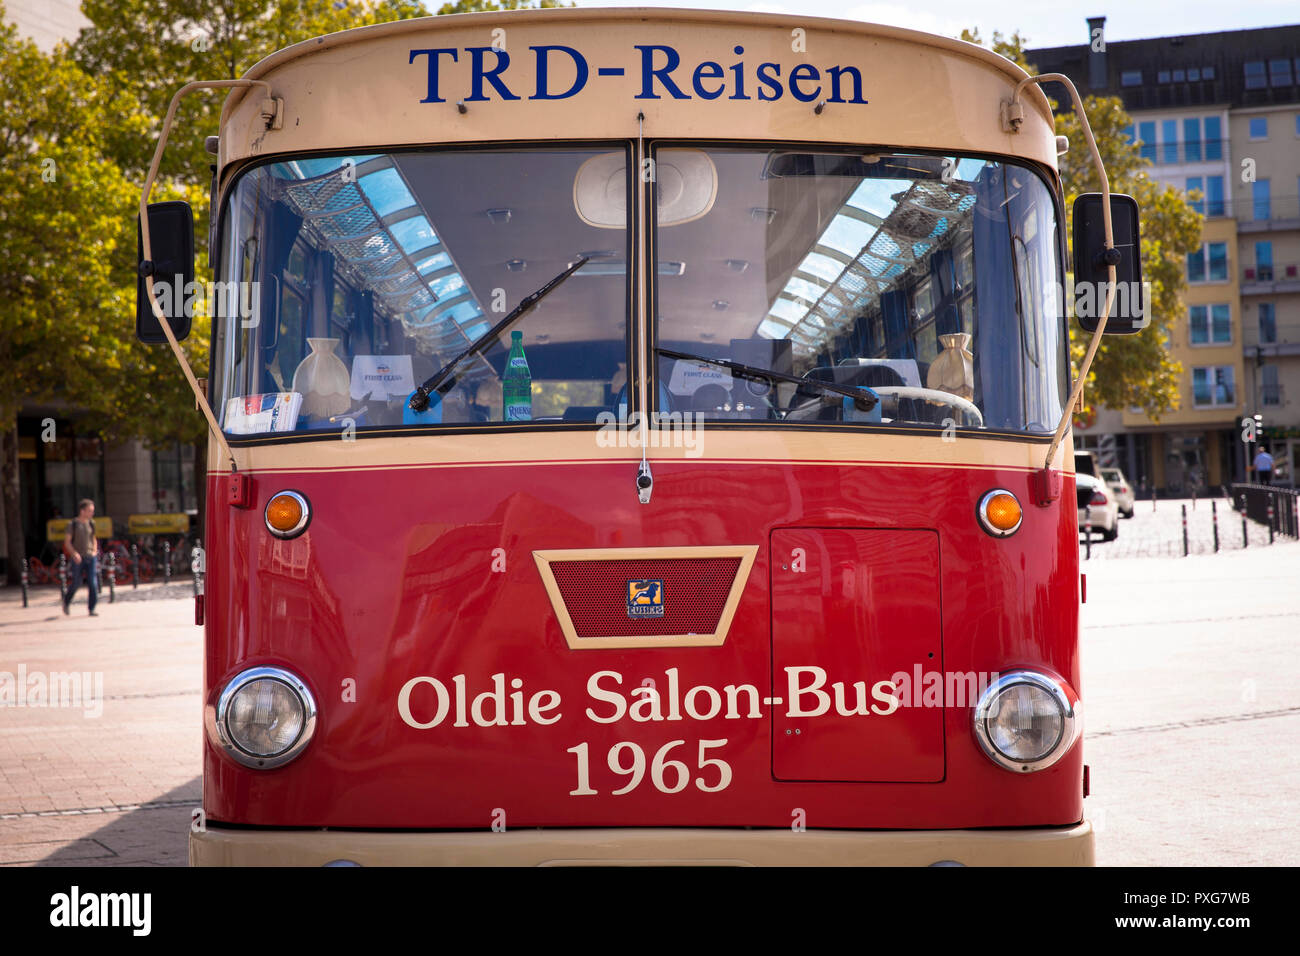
(81, 546)
(1263, 467)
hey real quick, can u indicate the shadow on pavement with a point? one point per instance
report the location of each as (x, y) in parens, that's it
(154, 834)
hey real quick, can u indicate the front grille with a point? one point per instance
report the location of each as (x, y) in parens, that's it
(694, 593)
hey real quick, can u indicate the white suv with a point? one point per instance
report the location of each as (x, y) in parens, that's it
(1120, 488)
(1093, 493)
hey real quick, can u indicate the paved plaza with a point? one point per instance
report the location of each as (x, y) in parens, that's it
(1190, 683)
(1157, 531)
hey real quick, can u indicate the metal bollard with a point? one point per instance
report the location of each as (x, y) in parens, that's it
(1214, 517)
(1184, 531)
(167, 562)
(112, 577)
(1087, 530)
(1153, 501)
(1270, 518)
(23, 576)
(63, 574)
(135, 565)
(1245, 536)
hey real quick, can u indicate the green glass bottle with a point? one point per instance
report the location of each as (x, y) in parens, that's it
(517, 385)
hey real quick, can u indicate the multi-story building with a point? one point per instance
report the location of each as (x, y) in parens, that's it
(1217, 114)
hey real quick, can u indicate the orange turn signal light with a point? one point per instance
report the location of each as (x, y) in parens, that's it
(287, 514)
(999, 513)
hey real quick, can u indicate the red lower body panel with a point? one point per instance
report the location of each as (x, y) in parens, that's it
(449, 697)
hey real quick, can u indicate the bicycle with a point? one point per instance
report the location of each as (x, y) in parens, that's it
(178, 555)
(126, 564)
(38, 572)
(44, 569)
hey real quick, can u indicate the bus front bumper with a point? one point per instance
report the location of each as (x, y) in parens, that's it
(1051, 846)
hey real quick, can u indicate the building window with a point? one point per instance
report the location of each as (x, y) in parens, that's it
(1267, 323)
(1271, 391)
(1207, 72)
(1193, 75)
(173, 479)
(1214, 203)
(1147, 134)
(73, 468)
(1162, 76)
(1210, 324)
(1279, 72)
(1192, 140)
(1213, 386)
(1264, 261)
(1180, 76)
(1259, 127)
(1259, 195)
(1169, 136)
(1255, 78)
(1221, 324)
(1213, 138)
(1211, 189)
(1130, 78)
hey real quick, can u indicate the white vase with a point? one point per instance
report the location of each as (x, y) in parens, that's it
(953, 370)
(323, 380)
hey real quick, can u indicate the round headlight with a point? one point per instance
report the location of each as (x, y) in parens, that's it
(264, 717)
(1025, 721)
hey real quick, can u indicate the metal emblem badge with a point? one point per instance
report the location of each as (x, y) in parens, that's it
(645, 598)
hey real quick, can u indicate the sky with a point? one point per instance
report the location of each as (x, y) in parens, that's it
(1044, 24)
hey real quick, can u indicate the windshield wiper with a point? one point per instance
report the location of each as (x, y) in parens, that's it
(863, 401)
(443, 379)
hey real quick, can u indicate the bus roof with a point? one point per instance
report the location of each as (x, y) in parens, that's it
(690, 73)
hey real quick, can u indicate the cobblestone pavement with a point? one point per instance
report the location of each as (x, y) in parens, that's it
(1190, 682)
(1192, 691)
(113, 782)
(1159, 533)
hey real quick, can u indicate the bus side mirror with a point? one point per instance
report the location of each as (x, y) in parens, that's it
(171, 241)
(1130, 311)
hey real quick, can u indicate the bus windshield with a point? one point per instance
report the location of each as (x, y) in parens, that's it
(931, 280)
(360, 276)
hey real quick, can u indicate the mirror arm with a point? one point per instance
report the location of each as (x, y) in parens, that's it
(146, 264)
(1045, 484)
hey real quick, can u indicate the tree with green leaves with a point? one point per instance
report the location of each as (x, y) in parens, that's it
(142, 52)
(62, 203)
(1129, 371)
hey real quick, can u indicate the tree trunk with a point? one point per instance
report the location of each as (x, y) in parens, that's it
(201, 486)
(12, 501)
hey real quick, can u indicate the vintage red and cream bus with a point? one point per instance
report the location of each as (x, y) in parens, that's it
(637, 436)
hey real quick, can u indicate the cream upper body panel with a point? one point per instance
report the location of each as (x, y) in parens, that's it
(587, 74)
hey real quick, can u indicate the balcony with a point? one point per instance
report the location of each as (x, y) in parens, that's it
(1270, 280)
(1280, 213)
(1179, 154)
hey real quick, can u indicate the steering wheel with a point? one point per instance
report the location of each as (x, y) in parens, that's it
(932, 395)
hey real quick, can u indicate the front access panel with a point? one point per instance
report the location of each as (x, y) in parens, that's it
(851, 609)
